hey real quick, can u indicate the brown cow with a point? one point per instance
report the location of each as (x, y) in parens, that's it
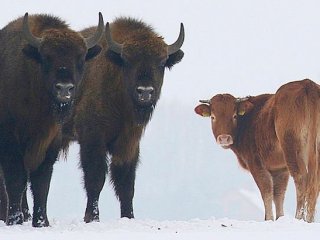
(42, 63)
(271, 134)
(118, 95)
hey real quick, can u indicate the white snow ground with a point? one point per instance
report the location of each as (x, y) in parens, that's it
(284, 228)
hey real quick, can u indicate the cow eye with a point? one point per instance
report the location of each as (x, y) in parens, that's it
(213, 117)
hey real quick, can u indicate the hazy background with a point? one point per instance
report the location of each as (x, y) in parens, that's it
(244, 47)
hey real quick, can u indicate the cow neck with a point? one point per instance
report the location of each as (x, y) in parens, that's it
(245, 141)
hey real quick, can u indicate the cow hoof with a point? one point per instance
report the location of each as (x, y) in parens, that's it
(15, 219)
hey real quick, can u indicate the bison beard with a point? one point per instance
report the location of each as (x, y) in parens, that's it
(143, 114)
(62, 111)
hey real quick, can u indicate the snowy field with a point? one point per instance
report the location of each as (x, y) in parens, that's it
(243, 47)
(224, 229)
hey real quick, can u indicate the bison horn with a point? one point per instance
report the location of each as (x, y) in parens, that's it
(205, 101)
(32, 40)
(177, 44)
(92, 41)
(242, 99)
(112, 45)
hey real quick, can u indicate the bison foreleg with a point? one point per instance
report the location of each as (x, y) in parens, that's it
(3, 200)
(40, 183)
(25, 207)
(123, 178)
(93, 162)
(15, 180)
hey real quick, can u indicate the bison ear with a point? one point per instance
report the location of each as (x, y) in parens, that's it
(174, 58)
(93, 52)
(32, 52)
(203, 110)
(244, 107)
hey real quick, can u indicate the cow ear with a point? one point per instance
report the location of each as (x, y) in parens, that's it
(32, 52)
(174, 58)
(203, 110)
(115, 58)
(93, 52)
(244, 108)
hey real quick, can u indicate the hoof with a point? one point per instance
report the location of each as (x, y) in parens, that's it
(26, 215)
(15, 219)
(91, 218)
(40, 222)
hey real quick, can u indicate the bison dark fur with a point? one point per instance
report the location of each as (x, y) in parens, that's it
(42, 64)
(119, 93)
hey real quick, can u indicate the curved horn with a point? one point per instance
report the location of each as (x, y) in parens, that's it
(112, 45)
(177, 44)
(92, 41)
(205, 101)
(32, 40)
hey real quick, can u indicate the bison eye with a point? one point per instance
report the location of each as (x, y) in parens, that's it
(80, 64)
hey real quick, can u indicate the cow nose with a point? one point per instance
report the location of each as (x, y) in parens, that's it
(224, 140)
(64, 91)
(145, 93)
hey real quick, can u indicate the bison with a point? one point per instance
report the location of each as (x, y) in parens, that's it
(42, 63)
(117, 97)
(273, 135)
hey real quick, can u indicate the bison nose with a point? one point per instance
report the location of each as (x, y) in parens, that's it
(224, 140)
(64, 91)
(145, 93)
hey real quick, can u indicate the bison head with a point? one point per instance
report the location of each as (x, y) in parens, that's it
(143, 57)
(225, 112)
(61, 54)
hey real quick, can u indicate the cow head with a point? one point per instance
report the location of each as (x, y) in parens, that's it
(61, 54)
(143, 59)
(225, 112)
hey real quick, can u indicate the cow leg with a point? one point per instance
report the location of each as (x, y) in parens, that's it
(312, 185)
(264, 181)
(15, 181)
(280, 181)
(300, 183)
(294, 159)
(93, 163)
(40, 183)
(123, 177)
(311, 200)
(3, 199)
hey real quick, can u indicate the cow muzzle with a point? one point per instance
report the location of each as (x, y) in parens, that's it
(224, 140)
